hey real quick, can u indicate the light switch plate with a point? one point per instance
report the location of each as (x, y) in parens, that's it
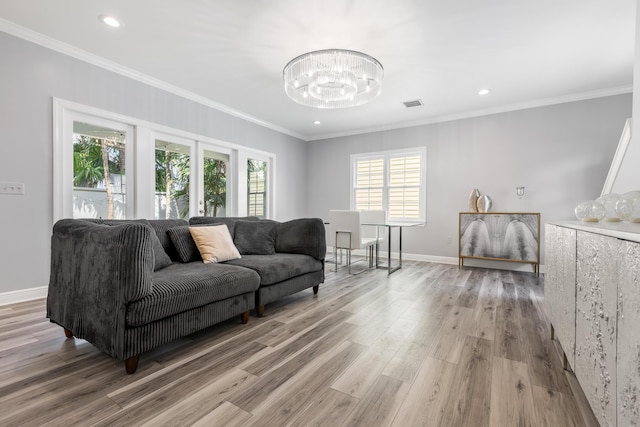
(12, 188)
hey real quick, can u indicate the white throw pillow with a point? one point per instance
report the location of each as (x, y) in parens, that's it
(214, 243)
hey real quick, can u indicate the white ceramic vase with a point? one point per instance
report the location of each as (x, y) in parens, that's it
(473, 200)
(484, 204)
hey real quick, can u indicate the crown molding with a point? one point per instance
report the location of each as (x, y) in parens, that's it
(484, 112)
(82, 55)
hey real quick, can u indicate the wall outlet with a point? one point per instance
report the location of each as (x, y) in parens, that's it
(12, 188)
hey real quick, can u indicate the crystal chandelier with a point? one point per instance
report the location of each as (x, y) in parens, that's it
(333, 78)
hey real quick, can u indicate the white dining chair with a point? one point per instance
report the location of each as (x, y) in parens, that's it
(330, 238)
(373, 216)
(347, 234)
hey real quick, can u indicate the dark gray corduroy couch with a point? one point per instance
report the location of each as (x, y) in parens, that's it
(130, 286)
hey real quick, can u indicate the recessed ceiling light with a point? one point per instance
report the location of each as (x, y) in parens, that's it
(483, 91)
(316, 122)
(109, 20)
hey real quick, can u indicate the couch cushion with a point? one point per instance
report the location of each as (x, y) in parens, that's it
(161, 259)
(256, 237)
(276, 268)
(229, 221)
(181, 287)
(302, 236)
(214, 243)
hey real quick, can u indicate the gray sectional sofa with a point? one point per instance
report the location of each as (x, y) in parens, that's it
(132, 285)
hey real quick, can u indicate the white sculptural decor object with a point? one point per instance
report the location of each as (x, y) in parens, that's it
(473, 200)
(484, 204)
(609, 202)
(589, 211)
(628, 207)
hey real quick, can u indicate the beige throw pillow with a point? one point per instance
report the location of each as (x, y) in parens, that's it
(214, 243)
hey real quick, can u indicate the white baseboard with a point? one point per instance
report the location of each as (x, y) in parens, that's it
(23, 295)
(429, 258)
(498, 265)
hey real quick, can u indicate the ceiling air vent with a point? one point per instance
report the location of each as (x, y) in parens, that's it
(415, 103)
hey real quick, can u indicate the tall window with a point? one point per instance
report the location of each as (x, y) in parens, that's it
(99, 179)
(214, 195)
(172, 171)
(394, 181)
(256, 188)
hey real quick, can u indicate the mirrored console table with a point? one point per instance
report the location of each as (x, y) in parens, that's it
(500, 236)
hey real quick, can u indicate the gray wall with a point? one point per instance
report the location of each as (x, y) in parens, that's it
(30, 75)
(560, 153)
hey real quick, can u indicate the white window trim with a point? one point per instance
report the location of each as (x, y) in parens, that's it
(63, 157)
(141, 170)
(421, 151)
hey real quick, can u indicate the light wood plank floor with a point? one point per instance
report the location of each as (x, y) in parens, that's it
(430, 345)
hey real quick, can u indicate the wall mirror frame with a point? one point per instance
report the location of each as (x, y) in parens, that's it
(610, 185)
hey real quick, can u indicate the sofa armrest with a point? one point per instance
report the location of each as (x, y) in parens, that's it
(302, 236)
(95, 271)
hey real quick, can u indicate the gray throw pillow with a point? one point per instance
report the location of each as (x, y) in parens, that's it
(160, 257)
(255, 237)
(184, 244)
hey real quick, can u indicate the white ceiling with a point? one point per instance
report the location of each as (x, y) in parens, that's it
(232, 52)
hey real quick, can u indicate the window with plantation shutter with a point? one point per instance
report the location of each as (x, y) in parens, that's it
(394, 181)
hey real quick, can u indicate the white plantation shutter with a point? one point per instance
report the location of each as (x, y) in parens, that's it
(257, 189)
(393, 181)
(369, 188)
(404, 187)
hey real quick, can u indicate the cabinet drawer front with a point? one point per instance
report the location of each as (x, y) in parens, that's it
(598, 260)
(628, 337)
(560, 286)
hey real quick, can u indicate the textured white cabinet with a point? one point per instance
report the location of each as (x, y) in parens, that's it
(560, 298)
(594, 307)
(629, 336)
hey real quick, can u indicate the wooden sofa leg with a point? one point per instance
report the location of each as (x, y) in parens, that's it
(260, 310)
(131, 364)
(315, 289)
(244, 317)
(68, 333)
